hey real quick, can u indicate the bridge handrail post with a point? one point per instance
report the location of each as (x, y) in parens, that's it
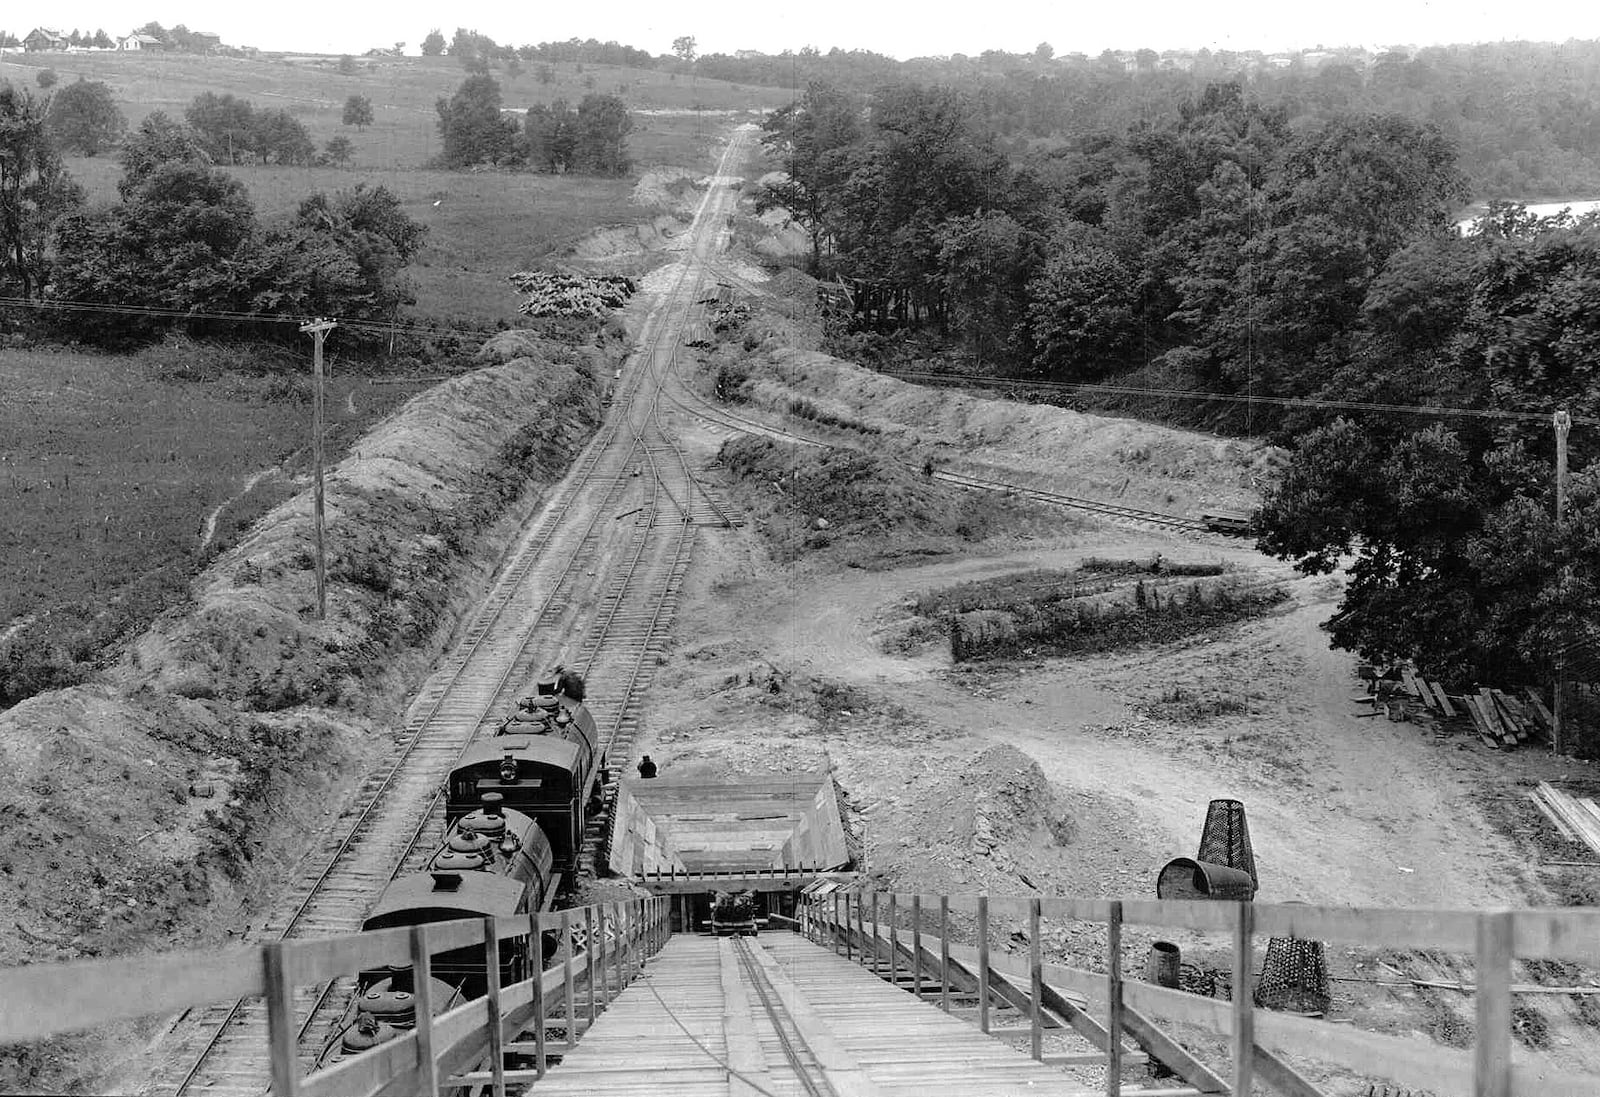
(568, 1002)
(944, 953)
(617, 933)
(1035, 981)
(875, 956)
(588, 959)
(861, 929)
(916, 945)
(491, 971)
(1244, 1020)
(536, 924)
(281, 1035)
(1491, 1068)
(983, 963)
(603, 957)
(422, 1000)
(1114, 999)
(894, 944)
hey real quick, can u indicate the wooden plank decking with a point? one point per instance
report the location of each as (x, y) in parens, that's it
(873, 1040)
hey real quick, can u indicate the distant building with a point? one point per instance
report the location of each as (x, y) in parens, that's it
(42, 38)
(206, 41)
(140, 42)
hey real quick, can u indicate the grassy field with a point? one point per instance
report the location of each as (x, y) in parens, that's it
(483, 225)
(402, 90)
(113, 472)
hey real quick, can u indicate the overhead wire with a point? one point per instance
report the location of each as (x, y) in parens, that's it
(387, 327)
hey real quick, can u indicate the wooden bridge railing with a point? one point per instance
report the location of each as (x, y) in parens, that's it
(46, 999)
(872, 927)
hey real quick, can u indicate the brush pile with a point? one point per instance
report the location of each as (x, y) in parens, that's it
(549, 294)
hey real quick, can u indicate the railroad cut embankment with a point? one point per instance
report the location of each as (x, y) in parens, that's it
(161, 803)
(1101, 457)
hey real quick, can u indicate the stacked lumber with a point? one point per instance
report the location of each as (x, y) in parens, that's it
(549, 294)
(1577, 818)
(1502, 720)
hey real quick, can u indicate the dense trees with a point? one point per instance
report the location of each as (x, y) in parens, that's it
(603, 126)
(433, 44)
(232, 131)
(358, 111)
(186, 238)
(471, 125)
(34, 190)
(84, 118)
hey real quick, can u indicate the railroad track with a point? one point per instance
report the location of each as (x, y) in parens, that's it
(528, 622)
(807, 1070)
(695, 405)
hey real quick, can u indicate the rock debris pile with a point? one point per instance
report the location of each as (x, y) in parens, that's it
(551, 294)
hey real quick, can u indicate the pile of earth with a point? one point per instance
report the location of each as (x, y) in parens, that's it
(161, 804)
(867, 508)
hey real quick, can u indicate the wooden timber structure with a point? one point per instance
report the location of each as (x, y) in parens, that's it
(871, 996)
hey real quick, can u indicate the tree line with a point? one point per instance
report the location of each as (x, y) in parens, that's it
(1524, 116)
(1232, 248)
(474, 126)
(185, 238)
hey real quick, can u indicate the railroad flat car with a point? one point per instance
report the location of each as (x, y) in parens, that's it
(1229, 522)
(546, 762)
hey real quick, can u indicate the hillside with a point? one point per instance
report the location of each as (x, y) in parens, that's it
(403, 91)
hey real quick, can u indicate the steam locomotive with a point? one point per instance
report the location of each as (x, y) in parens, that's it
(516, 806)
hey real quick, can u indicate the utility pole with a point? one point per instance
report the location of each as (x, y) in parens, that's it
(1562, 421)
(318, 330)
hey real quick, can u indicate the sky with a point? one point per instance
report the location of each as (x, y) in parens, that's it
(933, 27)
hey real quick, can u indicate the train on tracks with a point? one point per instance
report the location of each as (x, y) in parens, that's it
(516, 805)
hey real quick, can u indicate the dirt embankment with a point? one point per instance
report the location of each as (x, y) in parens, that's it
(1113, 460)
(165, 803)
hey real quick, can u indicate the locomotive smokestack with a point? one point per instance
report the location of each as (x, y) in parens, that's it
(492, 803)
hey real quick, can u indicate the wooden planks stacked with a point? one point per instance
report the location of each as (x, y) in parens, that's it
(1576, 817)
(1501, 719)
(1504, 721)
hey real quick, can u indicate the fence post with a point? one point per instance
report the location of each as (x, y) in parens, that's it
(589, 960)
(281, 1041)
(422, 1000)
(598, 942)
(983, 963)
(916, 945)
(875, 957)
(618, 935)
(1244, 1021)
(491, 972)
(1035, 982)
(861, 928)
(1492, 1047)
(944, 953)
(567, 998)
(894, 943)
(536, 923)
(1114, 996)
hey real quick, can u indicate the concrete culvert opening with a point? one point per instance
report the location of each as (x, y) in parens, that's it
(1186, 878)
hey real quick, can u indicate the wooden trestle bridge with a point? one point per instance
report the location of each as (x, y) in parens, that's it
(859, 995)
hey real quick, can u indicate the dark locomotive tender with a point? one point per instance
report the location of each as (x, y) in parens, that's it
(545, 760)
